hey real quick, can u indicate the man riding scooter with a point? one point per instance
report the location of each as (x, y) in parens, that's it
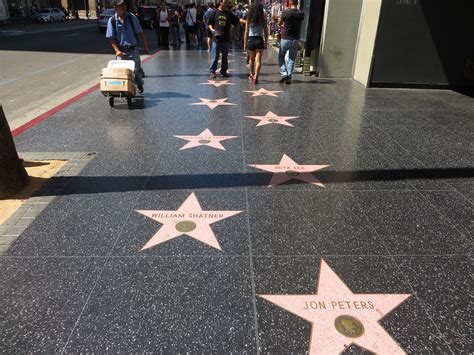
(124, 31)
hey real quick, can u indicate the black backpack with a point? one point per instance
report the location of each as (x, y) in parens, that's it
(129, 17)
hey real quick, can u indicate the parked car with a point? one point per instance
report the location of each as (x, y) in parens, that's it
(147, 15)
(103, 19)
(50, 15)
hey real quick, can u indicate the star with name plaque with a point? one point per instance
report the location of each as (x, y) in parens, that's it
(340, 318)
(288, 170)
(206, 138)
(271, 118)
(189, 219)
(263, 92)
(218, 83)
(212, 104)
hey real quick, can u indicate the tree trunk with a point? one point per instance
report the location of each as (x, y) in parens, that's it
(13, 176)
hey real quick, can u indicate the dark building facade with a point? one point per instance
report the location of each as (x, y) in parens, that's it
(392, 43)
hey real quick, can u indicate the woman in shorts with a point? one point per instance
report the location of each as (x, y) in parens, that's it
(255, 39)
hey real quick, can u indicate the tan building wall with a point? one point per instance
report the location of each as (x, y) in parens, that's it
(339, 38)
(367, 33)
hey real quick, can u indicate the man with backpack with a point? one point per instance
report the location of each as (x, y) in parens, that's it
(124, 31)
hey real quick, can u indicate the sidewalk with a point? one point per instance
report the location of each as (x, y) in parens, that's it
(159, 243)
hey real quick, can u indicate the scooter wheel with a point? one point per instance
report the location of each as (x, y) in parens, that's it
(111, 101)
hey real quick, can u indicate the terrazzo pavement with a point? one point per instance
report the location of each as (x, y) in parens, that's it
(393, 217)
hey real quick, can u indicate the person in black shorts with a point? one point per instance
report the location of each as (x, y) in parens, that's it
(255, 39)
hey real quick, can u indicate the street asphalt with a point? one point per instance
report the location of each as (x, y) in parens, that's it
(43, 65)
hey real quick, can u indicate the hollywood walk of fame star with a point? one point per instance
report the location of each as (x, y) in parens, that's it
(218, 83)
(263, 92)
(188, 219)
(205, 138)
(287, 170)
(212, 104)
(340, 318)
(271, 118)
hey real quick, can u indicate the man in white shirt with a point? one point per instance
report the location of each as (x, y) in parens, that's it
(191, 22)
(163, 22)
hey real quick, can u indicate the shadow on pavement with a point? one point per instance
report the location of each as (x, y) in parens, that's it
(106, 184)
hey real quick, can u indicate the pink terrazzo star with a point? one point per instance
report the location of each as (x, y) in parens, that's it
(188, 219)
(271, 118)
(340, 318)
(212, 104)
(205, 138)
(263, 92)
(218, 83)
(287, 170)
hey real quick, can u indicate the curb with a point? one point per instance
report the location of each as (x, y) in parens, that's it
(38, 119)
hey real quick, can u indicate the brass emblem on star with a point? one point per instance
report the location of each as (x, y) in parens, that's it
(349, 326)
(204, 141)
(292, 173)
(185, 226)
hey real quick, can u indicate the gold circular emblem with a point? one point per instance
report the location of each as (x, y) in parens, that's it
(204, 141)
(292, 173)
(272, 120)
(349, 326)
(185, 226)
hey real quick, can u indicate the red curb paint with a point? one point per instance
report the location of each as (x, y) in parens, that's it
(151, 56)
(63, 105)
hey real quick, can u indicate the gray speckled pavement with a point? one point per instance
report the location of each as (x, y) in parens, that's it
(371, 253)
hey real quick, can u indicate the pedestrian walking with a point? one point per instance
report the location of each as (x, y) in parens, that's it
(220, 23)
(174, 28)
(191, 24)
(163, 22)
(207, 14)
(200, 24)
(184, 27)
(291, 19)
(156, 25)
(255, 39)
(124, 32)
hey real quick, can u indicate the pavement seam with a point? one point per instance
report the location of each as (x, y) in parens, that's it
(444, 217)
(108, 256)
(395, 141)
(251, 264)
(26, 214)
(408, 283)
